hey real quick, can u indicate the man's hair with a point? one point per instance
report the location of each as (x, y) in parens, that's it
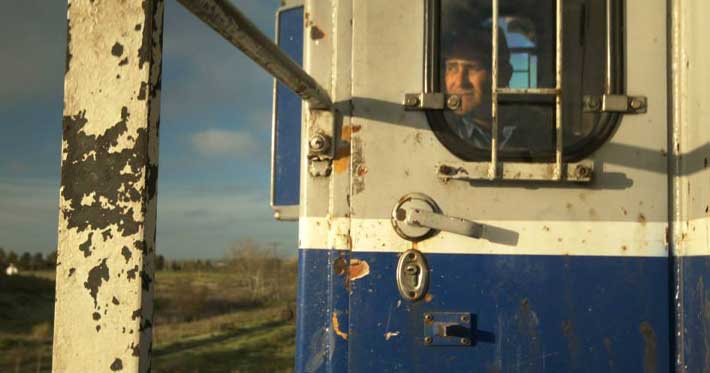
(477, 44)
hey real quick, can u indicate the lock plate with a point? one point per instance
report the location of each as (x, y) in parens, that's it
(412, 275)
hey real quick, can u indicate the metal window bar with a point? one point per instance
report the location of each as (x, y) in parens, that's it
(557, 91)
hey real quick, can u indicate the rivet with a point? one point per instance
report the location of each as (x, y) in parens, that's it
(427, 340)
(453, 102)
(428, 317)
(411, 101)
(636, 103)
(464, 318)
(465, 341)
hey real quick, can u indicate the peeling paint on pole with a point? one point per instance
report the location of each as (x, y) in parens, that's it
(104, 308)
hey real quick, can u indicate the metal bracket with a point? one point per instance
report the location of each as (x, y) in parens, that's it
(448, 329)
(321, 147)
(580, 172)
(431, 101)
(615, 104)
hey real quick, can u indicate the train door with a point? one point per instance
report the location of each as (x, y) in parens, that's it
(509, 190)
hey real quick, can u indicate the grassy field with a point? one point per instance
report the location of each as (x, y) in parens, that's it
(213, 321)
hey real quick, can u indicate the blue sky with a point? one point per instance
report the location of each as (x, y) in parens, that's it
(215, 133)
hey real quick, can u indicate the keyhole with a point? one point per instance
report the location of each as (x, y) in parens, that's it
(412, 271)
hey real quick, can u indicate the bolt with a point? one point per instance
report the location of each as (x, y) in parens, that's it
(582, 171)
(464, 318)
(318, 143)
(428, 317)
(465, 341)
(636, 103)
(427, 340)
(411, 101)
(453, 102)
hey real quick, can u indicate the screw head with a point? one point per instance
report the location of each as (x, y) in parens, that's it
(453, 102)
(428, 317)
(464, 318)
(428, 340)
(582, 171)
(318, 143)
(411, 101)
(465, 341)
(636, 103)
(594, 103)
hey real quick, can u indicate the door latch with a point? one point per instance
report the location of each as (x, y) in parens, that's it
(412, 275)
(416, 217)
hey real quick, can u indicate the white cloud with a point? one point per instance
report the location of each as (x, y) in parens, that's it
(224, 143)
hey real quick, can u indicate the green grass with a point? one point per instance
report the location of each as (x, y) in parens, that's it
(204, 322)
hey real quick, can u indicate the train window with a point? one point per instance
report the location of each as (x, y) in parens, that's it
(540, 90)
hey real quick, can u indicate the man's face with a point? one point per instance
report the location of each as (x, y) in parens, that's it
(469, 79)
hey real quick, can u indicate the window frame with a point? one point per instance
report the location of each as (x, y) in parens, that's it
(566, 161)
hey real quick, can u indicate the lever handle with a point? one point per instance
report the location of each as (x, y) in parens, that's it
(433, 220)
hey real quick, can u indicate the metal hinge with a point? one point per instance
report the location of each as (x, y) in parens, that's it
(615, 104)
(431, 101)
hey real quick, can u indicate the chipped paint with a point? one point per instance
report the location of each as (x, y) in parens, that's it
(336, 327)
(390, 335)
(107, 202)
(358, 269)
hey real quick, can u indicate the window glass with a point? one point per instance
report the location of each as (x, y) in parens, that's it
(526, 77)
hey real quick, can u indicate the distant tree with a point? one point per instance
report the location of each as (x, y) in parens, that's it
(175, 265)
(25, 261)
(50, 262)
(159, 262)
(37, 262)
(3, 255)
(12, 257)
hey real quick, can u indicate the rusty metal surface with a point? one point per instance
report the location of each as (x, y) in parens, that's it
(104, 307)
(229, 22)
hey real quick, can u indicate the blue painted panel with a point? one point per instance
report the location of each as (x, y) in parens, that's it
(322, 299)
(694, 313)
(532, 314)
(288, 116)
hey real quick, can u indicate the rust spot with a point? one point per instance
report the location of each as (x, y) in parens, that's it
(428, 298)
(642, 219)
(593, 214)
(624, 211)
(361, 170)
(116, 365)
(650, 353)
(342, 159)
(317, 33)
(336, 327)
(568, 205)
(358, 269)
(339, 266)
(545, 228)
(624, 248)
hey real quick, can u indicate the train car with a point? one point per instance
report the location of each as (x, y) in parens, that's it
(502, 185)
(479, 185)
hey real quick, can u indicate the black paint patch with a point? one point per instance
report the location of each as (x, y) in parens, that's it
(123, 62)
(144, 52)
(106, 234)
(151, 181)
(86, 246)
(67, 63)
(98, 328)
(138, 27)
(126, 252)
(135, 349)
(71, 271)
(132, 273)
(146, 280)
(137, 314)
(117, 49)
(96, 316)
(101, 175)
(96, 276)
(117, 365)
(115, 301)
(142, 91)
(140, 245)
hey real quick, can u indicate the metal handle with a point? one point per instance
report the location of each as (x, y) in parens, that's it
(427, 219)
